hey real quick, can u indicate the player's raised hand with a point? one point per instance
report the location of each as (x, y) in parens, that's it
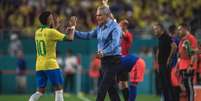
(72, 21)
(57, 22)
(105, 3)
(71, 27)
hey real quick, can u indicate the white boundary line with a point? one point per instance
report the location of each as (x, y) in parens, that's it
(81, 97)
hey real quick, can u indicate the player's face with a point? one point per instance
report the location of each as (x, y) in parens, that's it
(181, 31)
(122, 25)
(100, 17)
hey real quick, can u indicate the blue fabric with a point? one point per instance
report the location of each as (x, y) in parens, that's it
(108, 36)
(175, 55)
(128, 61)
(132, 92)
(21, 64)
(54, 76)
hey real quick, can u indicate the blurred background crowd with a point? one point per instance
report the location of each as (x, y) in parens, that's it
(20, 16)
(19, 20)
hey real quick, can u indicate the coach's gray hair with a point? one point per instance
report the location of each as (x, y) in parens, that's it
(104, 10)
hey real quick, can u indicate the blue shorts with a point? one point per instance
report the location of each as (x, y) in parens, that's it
(128, 61)
(54, 76)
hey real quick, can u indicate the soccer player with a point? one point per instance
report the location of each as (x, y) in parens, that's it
(174, 75)
(127, 37)
(175, 43)
(176, 83)
(47, 67)
(187, 61)
(126, 42)
(135, 66)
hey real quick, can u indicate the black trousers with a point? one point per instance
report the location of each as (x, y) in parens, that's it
(187, 81)
(198, 78)
(164, 75)
(107, 81)
(176, 93)
(157, 83)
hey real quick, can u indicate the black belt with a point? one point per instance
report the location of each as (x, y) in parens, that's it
(111, 58)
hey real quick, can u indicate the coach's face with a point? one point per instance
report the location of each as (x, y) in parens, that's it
(157, 30)
(101, 18)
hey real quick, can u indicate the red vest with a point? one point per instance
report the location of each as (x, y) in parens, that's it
(185, 60)
(137, 72)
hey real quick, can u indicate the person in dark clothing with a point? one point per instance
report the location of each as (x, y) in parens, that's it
(164, 54)
(157, 76)
(175, 39)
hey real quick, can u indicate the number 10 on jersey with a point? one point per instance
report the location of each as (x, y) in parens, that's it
(40, 47)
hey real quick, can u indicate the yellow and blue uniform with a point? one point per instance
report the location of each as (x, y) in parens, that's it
(46, 64)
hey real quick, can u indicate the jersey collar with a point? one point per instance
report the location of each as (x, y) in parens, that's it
(43, 26)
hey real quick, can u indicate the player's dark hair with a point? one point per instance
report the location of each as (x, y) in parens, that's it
(43, 18)
(184, 25)
(172, 28)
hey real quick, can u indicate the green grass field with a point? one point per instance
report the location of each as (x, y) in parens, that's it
(69, 98)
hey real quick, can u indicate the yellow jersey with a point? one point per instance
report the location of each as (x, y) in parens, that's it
(46, 40)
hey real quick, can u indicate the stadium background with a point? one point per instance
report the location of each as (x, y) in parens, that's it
(20, 17)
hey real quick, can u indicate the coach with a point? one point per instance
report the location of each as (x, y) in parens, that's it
(164, 55)
(108, 34)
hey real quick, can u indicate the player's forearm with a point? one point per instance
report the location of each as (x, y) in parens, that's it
(70, 33)
(157, 52)
(173, 49)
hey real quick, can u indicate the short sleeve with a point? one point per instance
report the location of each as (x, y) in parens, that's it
(55, 35)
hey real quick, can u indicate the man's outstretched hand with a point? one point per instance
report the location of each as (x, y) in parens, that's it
(71, 27)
